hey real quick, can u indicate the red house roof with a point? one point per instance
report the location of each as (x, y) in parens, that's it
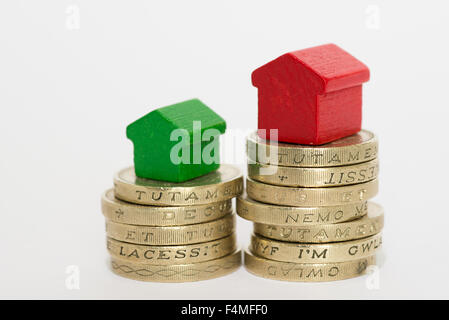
(336, 68)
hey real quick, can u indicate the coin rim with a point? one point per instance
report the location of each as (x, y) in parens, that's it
(261, 210)
(138, 212)
(162, 240)
(371, 218)
(229, 246)
(307, 177)
(256, 260)
(288, 256)
(254, 140)
(131, 188)
(372, 185)
(234, 258)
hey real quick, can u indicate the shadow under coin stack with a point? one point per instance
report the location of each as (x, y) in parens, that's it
(312, 220)
(173, 232)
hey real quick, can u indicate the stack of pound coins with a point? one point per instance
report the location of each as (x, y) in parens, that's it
(173, 232)
(309, 204)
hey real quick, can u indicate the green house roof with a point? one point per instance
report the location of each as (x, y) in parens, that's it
(180, 115)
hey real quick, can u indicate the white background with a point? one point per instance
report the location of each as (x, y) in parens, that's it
(73, 74)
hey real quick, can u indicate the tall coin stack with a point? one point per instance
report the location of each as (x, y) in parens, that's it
(173, 232)
(309, 204)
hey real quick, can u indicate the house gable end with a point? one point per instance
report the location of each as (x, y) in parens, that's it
(290, 72)
(148, 128)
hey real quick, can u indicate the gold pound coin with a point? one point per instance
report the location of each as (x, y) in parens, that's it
(178, 273)
(171, 255)
(358, 148)
(305, 272)
(315, 253)
(260, 212)
(314, 177)
(220, 185)
(178, 235)
(311, 197)
(124, 212)
(369, 225)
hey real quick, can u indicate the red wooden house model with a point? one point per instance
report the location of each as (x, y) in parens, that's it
(312, 96)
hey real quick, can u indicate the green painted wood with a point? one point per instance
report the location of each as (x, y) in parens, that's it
(152, 144)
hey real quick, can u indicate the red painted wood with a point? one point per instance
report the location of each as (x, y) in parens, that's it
(312, 96)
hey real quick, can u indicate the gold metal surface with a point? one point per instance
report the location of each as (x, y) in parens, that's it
(304, 272)
(311, 197)
(124, 212)
(220, 185)
(360, 147)
(178, 235)
(260, 212)
(171, 255)
(178, 273)
(369, 225)
(315, 253)
(314, 177)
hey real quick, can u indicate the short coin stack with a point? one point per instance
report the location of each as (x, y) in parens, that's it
(312, 220)
(173, 232)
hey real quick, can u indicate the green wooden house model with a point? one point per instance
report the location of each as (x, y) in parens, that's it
(177, 143)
